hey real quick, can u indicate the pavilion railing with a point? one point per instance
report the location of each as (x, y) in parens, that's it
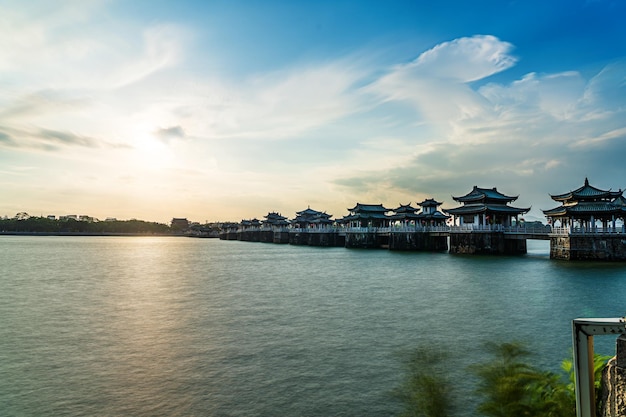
(330, 229)
(466, 228)
(397, 229)
(419, 228)
(570, 230)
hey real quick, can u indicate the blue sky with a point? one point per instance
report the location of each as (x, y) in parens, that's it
(223, 110)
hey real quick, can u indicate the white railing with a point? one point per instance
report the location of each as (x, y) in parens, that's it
(419, 228)
(315, 229)
(397, 229)
(560, 231)
(367, 229)
(249, 229)
(569, 230)
(274, 229)
(523, 230)
(466, 228)
(478, 228)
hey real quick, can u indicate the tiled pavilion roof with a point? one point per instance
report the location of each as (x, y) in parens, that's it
(588, 201)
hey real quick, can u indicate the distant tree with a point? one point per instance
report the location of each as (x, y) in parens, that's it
(21, 216)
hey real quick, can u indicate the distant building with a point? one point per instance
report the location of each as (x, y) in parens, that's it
(275, 221)
(367, 215)
(180, 224)
(586, 205)
(405, 215)
(250, 224)
(430, 215)
(485, 206)
(51, 217)
(312, 219)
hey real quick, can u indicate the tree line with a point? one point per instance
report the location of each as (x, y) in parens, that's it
(28, 224)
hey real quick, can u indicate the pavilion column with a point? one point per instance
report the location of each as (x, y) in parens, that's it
(613, 221)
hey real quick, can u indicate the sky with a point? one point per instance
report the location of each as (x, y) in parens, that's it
(227, 110)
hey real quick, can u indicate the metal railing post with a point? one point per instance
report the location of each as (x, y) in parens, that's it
(583, 371)
(583, 331)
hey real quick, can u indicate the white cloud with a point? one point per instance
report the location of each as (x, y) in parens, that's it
(282, 104)
(436, 83)
(74, 45)
(464, 59)
(553, 94)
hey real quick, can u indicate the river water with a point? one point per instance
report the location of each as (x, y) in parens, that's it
(148, 326)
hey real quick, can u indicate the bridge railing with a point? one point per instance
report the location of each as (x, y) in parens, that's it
(367, 229)
(479, 228)
(397, 229)
(315, 229)
(419, 228)
(532, 230)
(568, 230)
(274, 229)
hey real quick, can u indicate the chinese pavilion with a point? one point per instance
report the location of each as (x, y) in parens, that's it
(367, 215)
(250, 224)
(275, 220)
(405, 214)
(585, 206)
(311, 219)
(485, 206)
(430, 215)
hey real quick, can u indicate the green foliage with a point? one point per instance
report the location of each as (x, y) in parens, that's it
(425, 391)
(599, 363)
(25, 224)
(508, 385)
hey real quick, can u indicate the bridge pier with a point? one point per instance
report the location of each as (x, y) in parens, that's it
(486, 243)
(366, 240)
(418, 241)
(592, 246)
(316, 238)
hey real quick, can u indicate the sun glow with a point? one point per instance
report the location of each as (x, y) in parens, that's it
(149, 152)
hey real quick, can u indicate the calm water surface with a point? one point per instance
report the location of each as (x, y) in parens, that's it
(202, 327)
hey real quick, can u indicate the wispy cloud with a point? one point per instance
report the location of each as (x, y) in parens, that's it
(66, 138)
(280, 104)
(168, 133)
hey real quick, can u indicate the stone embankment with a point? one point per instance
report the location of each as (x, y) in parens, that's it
(614, 383)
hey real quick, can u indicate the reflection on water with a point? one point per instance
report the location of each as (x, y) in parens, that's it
(175, 326)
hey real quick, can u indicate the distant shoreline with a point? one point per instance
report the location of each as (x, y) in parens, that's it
(6, 233)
